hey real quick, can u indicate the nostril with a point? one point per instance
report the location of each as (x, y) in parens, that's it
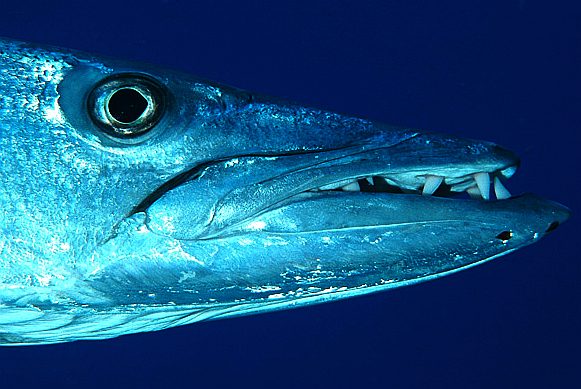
(552, 227)
(505, 236)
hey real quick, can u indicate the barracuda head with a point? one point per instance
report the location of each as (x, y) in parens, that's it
(135, 199)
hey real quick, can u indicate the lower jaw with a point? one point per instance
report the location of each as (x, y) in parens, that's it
(333, 210)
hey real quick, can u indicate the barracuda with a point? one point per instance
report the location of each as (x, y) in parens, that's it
(135, 199)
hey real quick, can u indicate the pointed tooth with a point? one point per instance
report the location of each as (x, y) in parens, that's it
(352, 187)
(370, 180)
(432, 184)
(474, 192)
(500, 190)
(390, 181)
(483, 182)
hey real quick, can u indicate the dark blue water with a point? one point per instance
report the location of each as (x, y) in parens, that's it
(506, 71)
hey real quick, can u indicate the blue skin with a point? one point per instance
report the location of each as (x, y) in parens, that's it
(230, 203)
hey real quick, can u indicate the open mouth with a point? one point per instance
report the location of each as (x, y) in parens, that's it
(238, 188)
(478, 185)
(214, 197)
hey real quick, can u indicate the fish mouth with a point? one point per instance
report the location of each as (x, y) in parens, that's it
(480, 185)
(356, 184)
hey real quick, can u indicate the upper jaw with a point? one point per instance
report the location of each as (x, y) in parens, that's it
(428, 164)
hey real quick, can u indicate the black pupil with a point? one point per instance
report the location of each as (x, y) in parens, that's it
(127, 105)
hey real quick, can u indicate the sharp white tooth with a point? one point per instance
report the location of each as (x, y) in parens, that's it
(483, 182)
(370, 180)
(431, 185)
(474, 192)
(500, 190)
(390, 181)
(352, 187)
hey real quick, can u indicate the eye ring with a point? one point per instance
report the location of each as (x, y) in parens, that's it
(127, 106)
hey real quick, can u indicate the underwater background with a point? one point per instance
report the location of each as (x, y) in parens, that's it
(505, 71)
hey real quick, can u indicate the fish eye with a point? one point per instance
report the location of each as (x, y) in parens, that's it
(127, 106)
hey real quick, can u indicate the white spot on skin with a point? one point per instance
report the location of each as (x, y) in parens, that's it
(44, 279)
(177, 248)
(54, 114)
(58, 247)
(167, 222)
(257, 225)
(275, 241)
(263, 289)
(231, 163)
(186, 276)
(245, 242)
